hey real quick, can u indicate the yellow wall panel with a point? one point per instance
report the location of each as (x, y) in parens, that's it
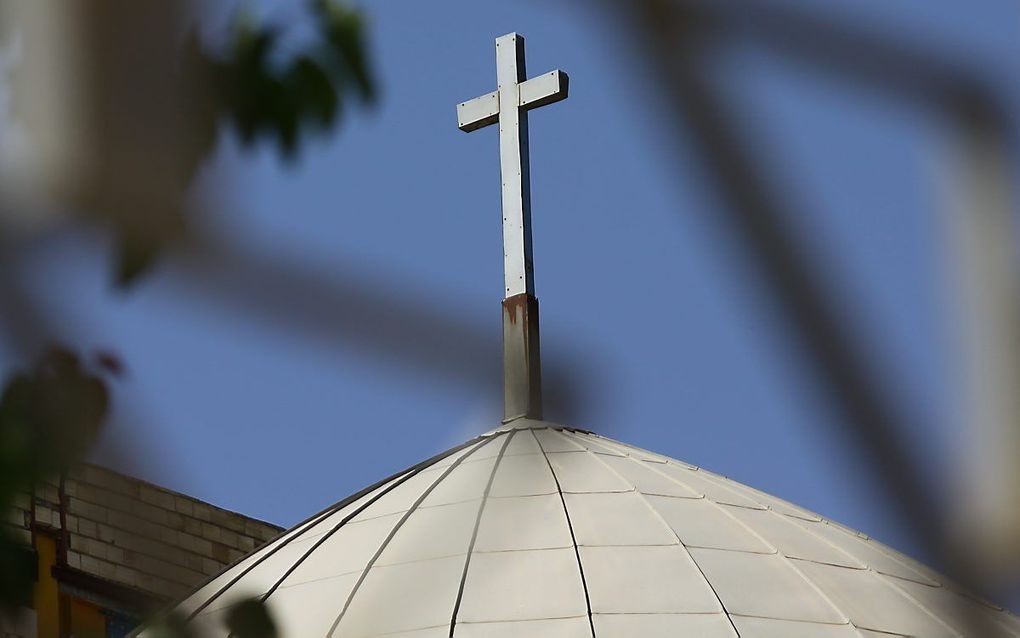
(87, 621)
(46, 598)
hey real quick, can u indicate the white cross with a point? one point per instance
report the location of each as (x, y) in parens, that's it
(509, 105)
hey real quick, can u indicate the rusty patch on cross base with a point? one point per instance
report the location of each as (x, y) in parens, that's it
(514, 305)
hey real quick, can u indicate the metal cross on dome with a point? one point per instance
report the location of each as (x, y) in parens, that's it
(508, 105)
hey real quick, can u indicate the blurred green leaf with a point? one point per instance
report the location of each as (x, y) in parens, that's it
(283, 101)
(262, 95)
(247, 619)
(344, 31)
(249, 82)
(173, 625)
(17, 573)
(251, 619)
(49, 417)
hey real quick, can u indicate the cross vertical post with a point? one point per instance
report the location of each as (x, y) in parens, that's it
(508, 105)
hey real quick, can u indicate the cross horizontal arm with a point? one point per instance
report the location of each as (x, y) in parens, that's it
(544, 89)
(538, 91)
(478, 113)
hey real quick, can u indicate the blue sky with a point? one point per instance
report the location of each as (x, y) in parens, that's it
(648, 307)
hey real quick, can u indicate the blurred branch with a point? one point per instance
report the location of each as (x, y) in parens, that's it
(338, 309)
(982, 238)
(674, 36)
(671, 38)
(880, 61)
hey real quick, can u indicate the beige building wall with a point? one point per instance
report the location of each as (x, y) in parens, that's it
(115, 548)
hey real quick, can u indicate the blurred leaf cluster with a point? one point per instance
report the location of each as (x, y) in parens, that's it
(263, 94)
(49, 416)
(305, 93)
(150, 116)
(248, 619)
(150, 98)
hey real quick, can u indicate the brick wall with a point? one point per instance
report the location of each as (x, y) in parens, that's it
(17, 522)
(137, 534)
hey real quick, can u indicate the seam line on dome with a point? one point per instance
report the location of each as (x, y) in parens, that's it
(885, 579)
(573, 538)
(814, 586)
(800, 621)
(680, 542)
(881, 576)
(805, 526)
(474, 534)
(313, 520)
(400, 523)
(403, 479)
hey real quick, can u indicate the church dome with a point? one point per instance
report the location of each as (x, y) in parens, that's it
(544, 531)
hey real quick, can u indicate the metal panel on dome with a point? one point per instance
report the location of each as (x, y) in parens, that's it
(501, 586)
(772, 628)
(448, 458)
(553, 441)
(583, 473)
(218, 594)
(524, 442)
(646, 580)
(918, 567)
(431, 632)
(346, 551)
(713, 489)
(268, 573)
(702, 523)
(632, 451)
(764, 585)
(871, 602)
(466, 483)
(222, 580)
(866, 551)
(328, 521)
(487, 449)
(577, 627)
(431, 532)
(620, 518)
(772, 502)
(208, 595)
(663, 625)
(402, 496)
(529, 522)
(290, 560)
(383, 586)
(287, 603)
(969, 611)
(401, 597)
(523, 475)
(209, 624)
(791, 539)
(594, 445)
(647, 479)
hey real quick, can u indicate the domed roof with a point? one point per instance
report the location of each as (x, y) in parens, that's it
(541, 530)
